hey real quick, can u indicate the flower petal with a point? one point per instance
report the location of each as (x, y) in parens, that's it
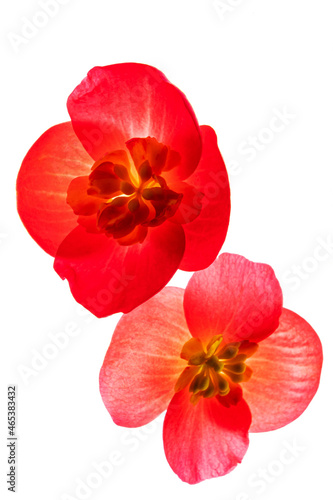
(55, 159)
(143, 362)
(286, 372)
(106, 277)
(206, 234)
(204, 440)
(234, 297)
(190, 205)
(78, 198)
(116, 103)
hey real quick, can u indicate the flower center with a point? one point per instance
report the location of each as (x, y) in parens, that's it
(143, 200)
(211, 371)
(127, 197)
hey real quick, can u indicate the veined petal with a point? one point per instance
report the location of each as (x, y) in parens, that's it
(142, 364)
(55, 159)
(207, 439)
(116, 103)
(106, 277)
(205, 235)
(286, 372)
(234, 297)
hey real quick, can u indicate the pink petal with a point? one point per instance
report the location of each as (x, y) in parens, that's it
(143, 361)
(206, 234)
(106, 277)
(234, 297)
(286, 372)
(55, 159)
(204, 440)
(116, 103)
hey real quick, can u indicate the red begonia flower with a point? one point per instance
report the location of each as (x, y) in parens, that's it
(129, 191)
(222, 357)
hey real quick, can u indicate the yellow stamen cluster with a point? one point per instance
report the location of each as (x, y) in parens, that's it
(211, 370)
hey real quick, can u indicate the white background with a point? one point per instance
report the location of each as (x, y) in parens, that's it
(238, 63)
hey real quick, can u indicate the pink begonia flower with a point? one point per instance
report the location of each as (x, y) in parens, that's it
(222, 357)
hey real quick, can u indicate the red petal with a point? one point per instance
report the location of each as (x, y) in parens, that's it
(190, 205)
(54, 160)
(206, 234)
(204, 440)
(78, 198)
(106, 277)
(143, 361)
(286, 372)
(234, 297)
(124, 101)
